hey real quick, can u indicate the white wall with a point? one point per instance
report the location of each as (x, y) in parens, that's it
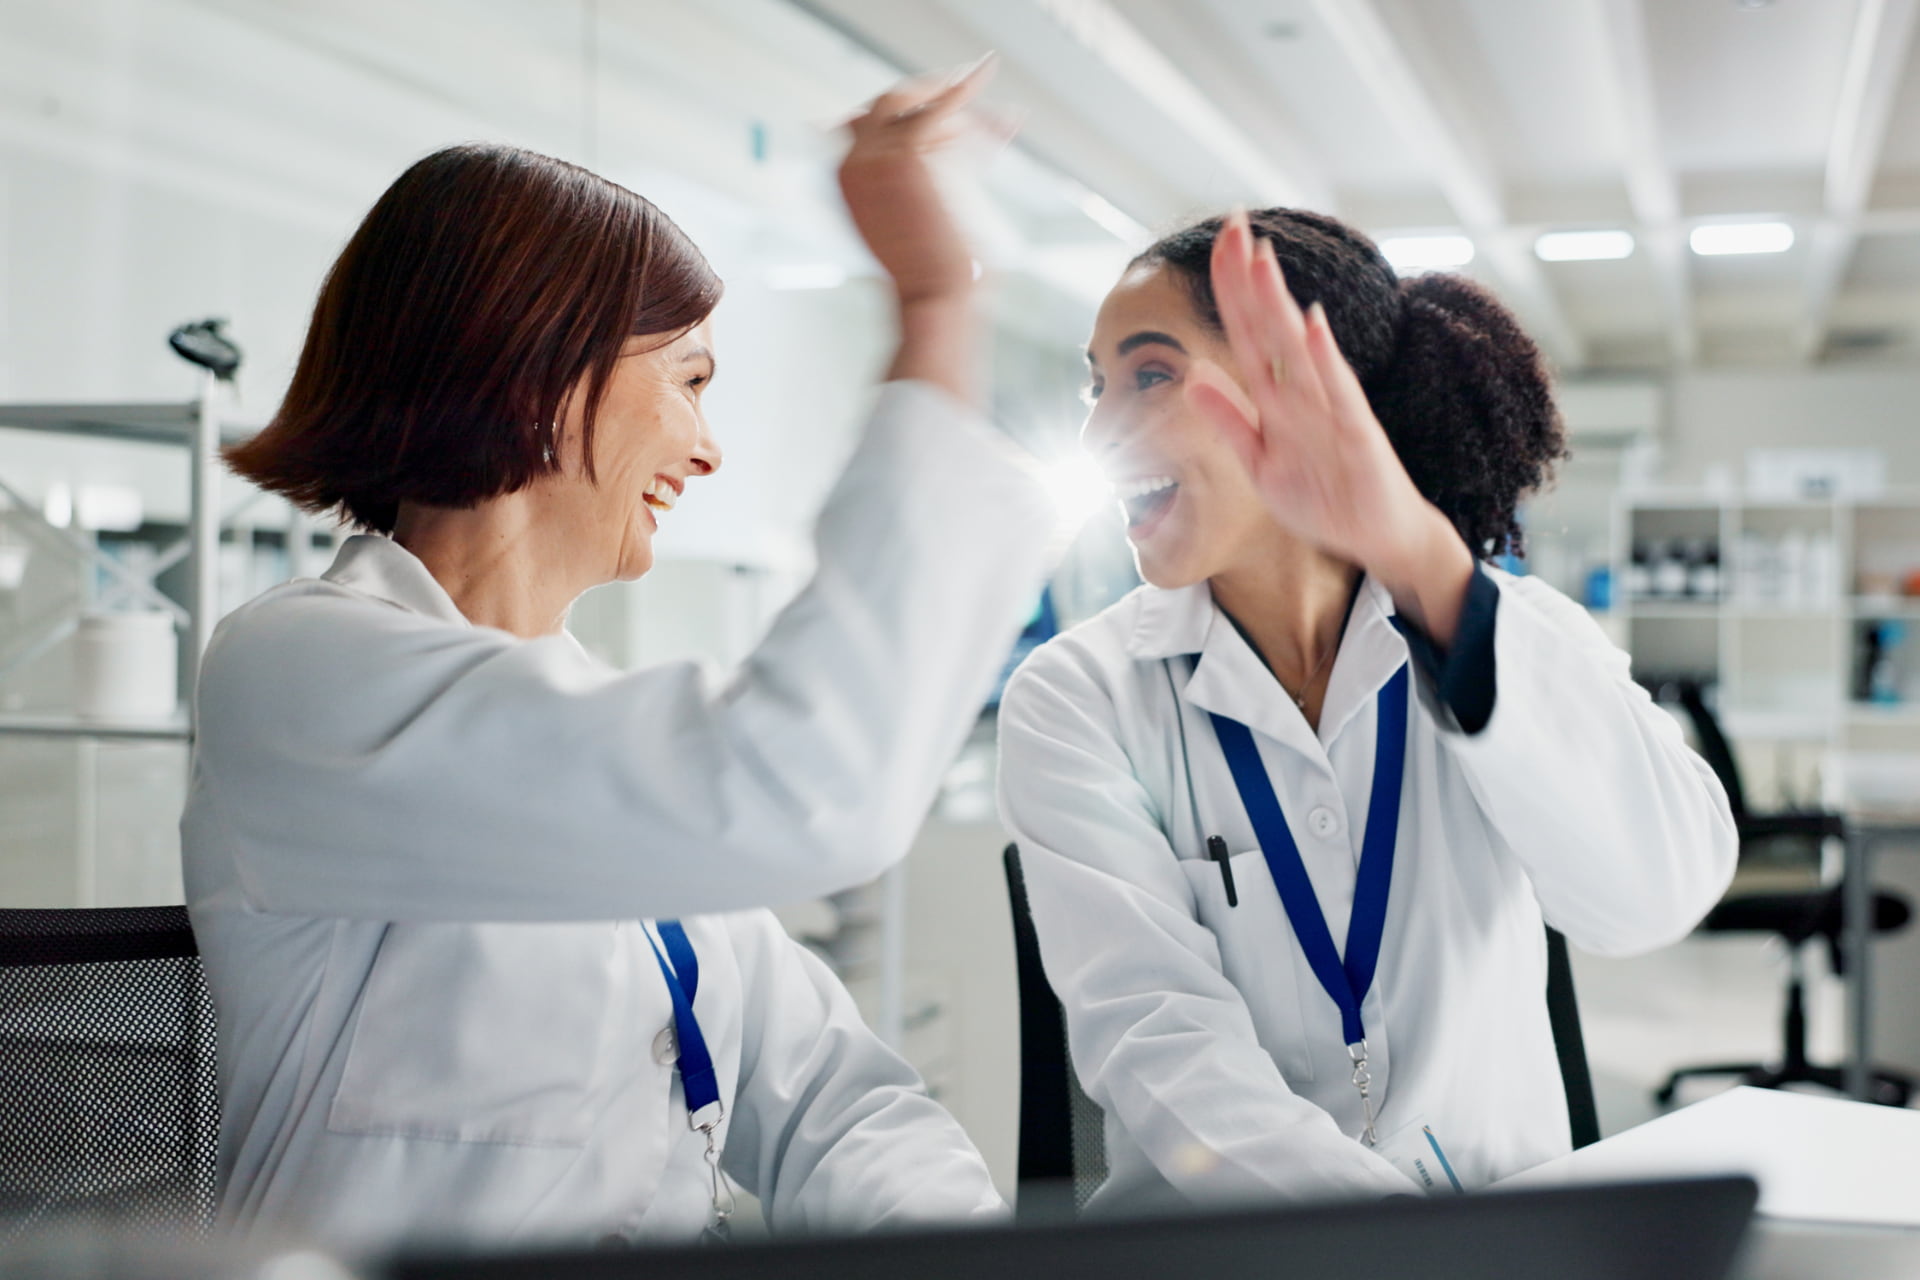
(1715, 416)
(163, 160)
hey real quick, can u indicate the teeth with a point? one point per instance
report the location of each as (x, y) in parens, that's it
(660, 494)
(1128, 490)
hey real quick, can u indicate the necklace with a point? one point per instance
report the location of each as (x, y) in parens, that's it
(1300, 698)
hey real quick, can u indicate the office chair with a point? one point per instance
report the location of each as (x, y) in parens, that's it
(1062, 1133)
(1769, 843)
(1063, 1140)
(109, 1110)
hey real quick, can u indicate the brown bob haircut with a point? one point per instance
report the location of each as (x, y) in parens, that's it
(482, 287)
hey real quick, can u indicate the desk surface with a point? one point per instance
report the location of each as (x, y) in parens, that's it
(1807, 1251)
(1817, 1160)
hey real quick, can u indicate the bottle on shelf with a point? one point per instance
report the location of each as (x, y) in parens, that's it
(1669, 568)
(1703, 570)
(1639, 576)
(1878, 676)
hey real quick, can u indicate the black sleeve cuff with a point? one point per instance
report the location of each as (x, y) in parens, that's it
(1462, 676)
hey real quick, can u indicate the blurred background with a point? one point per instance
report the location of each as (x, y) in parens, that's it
(1706, 211)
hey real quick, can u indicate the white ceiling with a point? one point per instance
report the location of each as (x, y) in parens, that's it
(1502, 118)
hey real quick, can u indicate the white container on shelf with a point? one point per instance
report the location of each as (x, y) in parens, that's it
(126, 667)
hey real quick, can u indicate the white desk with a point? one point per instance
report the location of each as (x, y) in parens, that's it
(1839, 1180)
(1806, 1251)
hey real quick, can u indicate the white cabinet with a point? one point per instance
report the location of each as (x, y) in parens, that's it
(1776, 603)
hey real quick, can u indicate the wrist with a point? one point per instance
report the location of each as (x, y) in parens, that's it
(1428, 576)
(934, 301)
(939, 344)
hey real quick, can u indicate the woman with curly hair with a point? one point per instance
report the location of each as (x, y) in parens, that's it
(1294, 813)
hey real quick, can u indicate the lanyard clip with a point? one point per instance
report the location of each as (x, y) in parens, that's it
(706, 1121)
(1363, 1081)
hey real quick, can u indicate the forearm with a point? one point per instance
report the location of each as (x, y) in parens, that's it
(1428, 574)
(808, 773)
(831, 1129)
(1621, 827)
(939, 344)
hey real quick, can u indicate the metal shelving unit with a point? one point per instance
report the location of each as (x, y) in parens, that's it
(195, 426)
(42, 726)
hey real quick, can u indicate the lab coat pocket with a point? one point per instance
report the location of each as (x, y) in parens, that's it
(1256, 952)
(480, 1033)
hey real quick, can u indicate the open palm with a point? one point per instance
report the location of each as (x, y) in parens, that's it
(1302, 424)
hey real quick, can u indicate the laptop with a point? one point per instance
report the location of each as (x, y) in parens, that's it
(1686, 1229)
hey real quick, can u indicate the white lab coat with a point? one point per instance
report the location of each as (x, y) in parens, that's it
(1199, 1027)
(418, 854)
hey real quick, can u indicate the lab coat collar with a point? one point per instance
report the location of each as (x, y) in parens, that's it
(1231, 680)
(382, 568)
(1370, 652)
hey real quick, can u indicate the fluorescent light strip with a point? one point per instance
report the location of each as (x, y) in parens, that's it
(1116, 223)
(805, 275)
(1409, 254)
(1583, 246)
(1715, 238)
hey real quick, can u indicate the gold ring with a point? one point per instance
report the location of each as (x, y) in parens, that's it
(1277, 366)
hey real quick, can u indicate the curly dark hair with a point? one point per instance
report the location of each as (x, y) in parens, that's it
(1460, 388)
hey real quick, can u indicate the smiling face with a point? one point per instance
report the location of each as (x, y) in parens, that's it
(1191, 510)
(649, 438)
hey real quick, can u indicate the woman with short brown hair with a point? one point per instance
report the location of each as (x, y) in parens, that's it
(435, 853)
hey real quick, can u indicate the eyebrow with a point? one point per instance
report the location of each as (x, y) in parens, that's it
(1149, 337)
(1134, 341)
(697, 353)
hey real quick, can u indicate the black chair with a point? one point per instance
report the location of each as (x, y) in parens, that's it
(1062, 1135)
(1063, 1142)
(1772, 844)
(109, 1108)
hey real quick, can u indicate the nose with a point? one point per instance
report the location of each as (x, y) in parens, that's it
(706, 457)
(1100, 433)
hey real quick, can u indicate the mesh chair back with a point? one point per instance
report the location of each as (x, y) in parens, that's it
(109, 1107)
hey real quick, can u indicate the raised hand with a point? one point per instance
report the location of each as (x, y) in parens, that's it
(1311, 443)
(890, 188)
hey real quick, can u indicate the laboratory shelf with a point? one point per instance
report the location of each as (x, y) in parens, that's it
(55, 725)
(1902, 714)
(198, 428)
(1885, 607)
(172, 422)
(1782, 641)
(1705, 610)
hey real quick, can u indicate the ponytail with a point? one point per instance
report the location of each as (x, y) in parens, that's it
(1467, 403)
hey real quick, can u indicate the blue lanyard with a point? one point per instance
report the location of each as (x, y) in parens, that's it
(683, 983)
(1348, 981)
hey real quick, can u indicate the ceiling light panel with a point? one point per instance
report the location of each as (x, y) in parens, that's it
(1717, 238)
(1410, 254)
(1583, 246)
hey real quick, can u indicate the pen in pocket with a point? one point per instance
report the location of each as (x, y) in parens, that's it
(1217, 850)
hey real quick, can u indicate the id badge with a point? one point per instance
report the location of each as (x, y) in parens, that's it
(1415, 1151)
